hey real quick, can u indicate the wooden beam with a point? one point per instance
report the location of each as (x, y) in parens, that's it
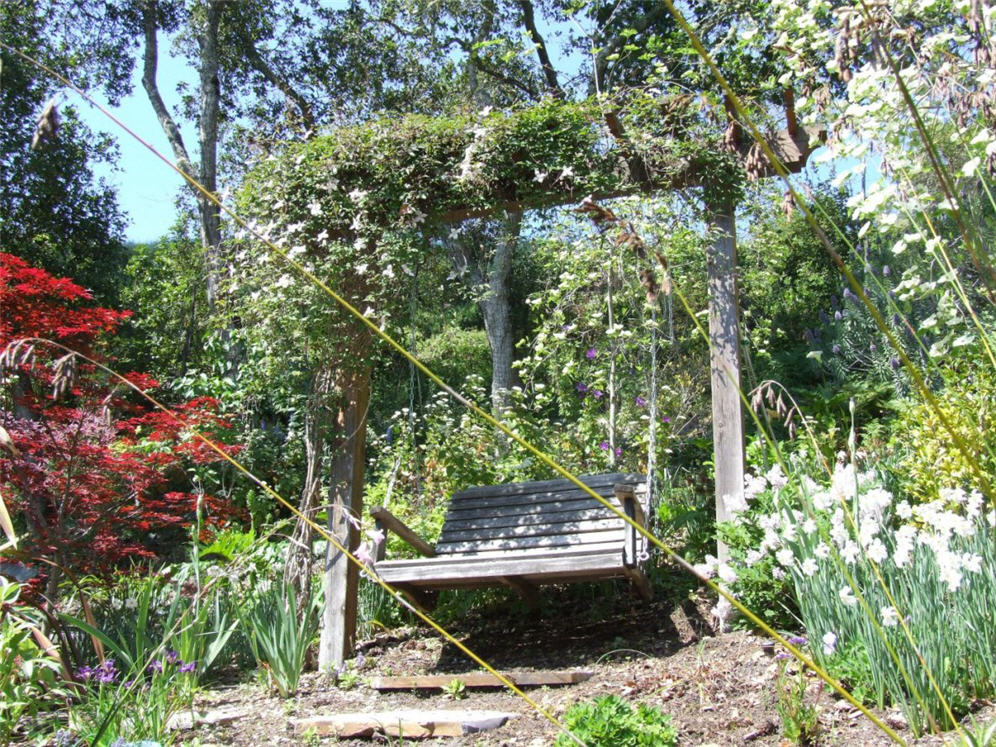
(388, 521)
(525, 589)
(640, 581)
(724, 360)
(480, 679)
(691, 172)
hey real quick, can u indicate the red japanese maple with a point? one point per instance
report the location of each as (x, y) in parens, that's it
(97, 471)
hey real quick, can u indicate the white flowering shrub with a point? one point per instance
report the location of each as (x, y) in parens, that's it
(912, 588)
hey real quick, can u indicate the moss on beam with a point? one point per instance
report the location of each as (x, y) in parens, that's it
(400, 171)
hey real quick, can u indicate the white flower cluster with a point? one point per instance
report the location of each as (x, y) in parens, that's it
(853, 517)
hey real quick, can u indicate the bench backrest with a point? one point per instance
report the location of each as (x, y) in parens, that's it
(537, 516)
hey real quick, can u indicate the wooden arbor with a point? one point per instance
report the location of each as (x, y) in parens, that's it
(441, 197)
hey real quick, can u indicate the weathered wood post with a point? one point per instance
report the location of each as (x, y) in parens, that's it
(724, 358)
(341, 577)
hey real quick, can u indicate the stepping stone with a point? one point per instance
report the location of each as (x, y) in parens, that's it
(407, 724)
(185, 720)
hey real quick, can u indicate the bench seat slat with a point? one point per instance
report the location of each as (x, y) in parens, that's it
(557, 484)
(567, 528)
(513, 544)
(484, 503)
(448, 572)
(526, 518)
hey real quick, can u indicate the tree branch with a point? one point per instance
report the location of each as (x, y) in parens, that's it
(549, 73)
(150, 11)
(258, 63)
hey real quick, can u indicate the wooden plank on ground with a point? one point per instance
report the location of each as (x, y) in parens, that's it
(481, 679)
(407, 724)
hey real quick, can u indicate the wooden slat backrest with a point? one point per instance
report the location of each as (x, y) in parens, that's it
(550, 514)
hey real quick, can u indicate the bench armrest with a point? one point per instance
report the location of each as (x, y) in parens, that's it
(386, 521)
(631, 506)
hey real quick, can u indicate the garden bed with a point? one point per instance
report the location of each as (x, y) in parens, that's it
(720, 689)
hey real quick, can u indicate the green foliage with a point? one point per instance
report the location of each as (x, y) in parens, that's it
(131, 705)
(931, 460)
(28, 678)
(280, 635)
(609, 721)
(455, 354)
(165, 286)
(53, 212)
(850, 666)
(787, 279)
(455, 689)
(800, 720)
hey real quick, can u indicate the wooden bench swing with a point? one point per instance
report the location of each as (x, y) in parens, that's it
(522, 535)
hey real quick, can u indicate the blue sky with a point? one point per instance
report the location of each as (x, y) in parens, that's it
(147, 188)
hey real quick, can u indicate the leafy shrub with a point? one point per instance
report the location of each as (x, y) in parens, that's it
(27, 676)
(609, 721)
(931, 458)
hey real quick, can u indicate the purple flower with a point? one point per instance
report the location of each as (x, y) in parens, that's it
(797, 640)
(173, 657)
(640, 401)
(618, 451)
(835, 349)
(837, 315)
(597, 393)
(106, 672)
(581, 387)
(665, 419)
(885, 271)
(604, 446)
(591, 353)
(155, 667)
(782, 656)
(84, 673)
(894, 362)
(187, 668)
(849, 295)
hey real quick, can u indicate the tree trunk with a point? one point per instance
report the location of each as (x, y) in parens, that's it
(208, 136)
(345, 509)
(207, 173)
(724, 360)
(497, 313)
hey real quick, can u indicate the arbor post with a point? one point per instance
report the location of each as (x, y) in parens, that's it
(341, 577)
(724, 360)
